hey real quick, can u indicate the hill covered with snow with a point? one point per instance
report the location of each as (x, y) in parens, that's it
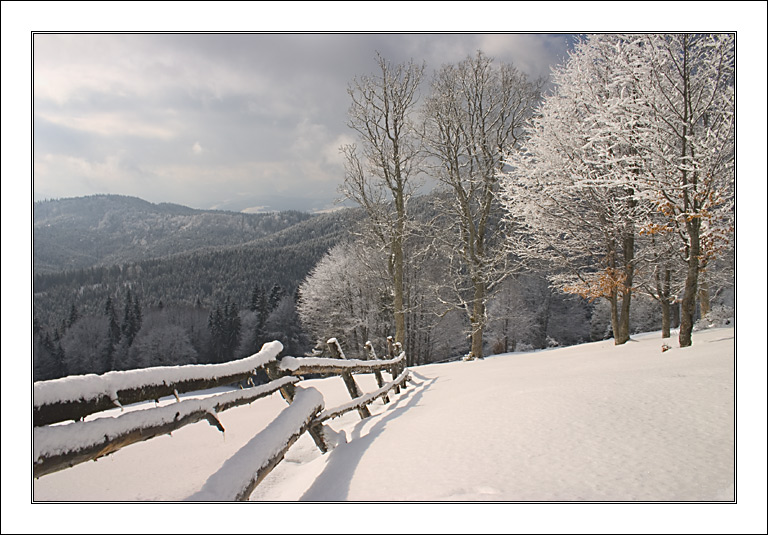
(588, 423)
(593, 422)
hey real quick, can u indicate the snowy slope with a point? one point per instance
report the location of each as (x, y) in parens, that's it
(586, 423)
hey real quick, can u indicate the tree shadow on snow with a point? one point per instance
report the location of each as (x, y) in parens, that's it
(334, 481)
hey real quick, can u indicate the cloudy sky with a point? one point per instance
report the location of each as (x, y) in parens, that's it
(228, 121)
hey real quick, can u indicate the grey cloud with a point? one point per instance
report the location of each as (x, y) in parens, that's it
(219, 120)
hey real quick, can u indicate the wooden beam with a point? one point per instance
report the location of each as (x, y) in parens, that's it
(72, 445)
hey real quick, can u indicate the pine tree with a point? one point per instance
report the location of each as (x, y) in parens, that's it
(275, 295)
(232, 329)
(114, 333)
(74, 315)
(131, 323)
(255, 298)
(216, 327)
(137, 314)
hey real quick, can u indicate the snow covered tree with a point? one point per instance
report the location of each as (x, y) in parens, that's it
(687, 82)
(343, 298)
(47, 355)
(161, 341)
(86, 345)
(575, 193)
(636, 124)
(381, 178)
(74, 315)
(474, 115)
(256, 297)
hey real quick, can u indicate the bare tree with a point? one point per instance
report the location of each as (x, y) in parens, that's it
(474, 116)
(380, 176)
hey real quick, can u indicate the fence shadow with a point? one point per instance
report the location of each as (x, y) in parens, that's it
(334, 481)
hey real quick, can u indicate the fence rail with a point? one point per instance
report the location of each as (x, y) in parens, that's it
(57, 447)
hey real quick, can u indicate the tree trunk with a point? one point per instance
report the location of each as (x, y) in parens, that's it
(398, 280)
(478, 321)
(704, 303)
(675, 309)
(544, 318)
(614, 301)
(626, 290)
(665, 318)
(663, 291)
(688, 304)
(623, 335)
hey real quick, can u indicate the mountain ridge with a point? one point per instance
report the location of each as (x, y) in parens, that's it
(90, 248)
(102, 230)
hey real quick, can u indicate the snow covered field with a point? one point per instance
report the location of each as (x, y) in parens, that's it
(593, 422)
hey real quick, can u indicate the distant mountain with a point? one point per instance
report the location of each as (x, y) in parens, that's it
(104, 230)
(90, 248)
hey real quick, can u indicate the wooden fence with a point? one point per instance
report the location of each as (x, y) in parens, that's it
(56, 447)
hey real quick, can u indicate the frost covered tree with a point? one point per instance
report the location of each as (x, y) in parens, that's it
(86, 345)
(575, 193)
(474, 115)
(343, 298)
(637, 124)
(687, 82)
(161, 343)
(380, 174)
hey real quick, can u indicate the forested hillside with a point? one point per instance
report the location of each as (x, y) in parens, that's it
(179, 268)
(104, 230)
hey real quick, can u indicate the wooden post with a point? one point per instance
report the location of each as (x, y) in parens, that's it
(377, 373)
(393, 369)
(399, 351)
(316, 431)
(391, 347)
(352, 387)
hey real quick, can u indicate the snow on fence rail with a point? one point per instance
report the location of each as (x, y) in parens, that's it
(56, 447)
(77, 396)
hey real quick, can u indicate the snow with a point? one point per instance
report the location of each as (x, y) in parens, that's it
(292, 364)
(594, 422)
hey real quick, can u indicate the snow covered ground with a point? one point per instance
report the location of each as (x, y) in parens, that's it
(594, 422)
